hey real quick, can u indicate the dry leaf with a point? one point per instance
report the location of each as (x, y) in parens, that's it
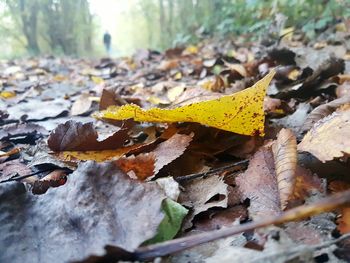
(241, 112)
(329, 137)
(76, 136)
(344, 220)
(202, 194)
(171, 149)
(142, 165)
(322, 111)
(285, 156)
(146, 165)
(81, 105)
(259, 184)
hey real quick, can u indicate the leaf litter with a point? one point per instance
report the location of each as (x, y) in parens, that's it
(195, 154)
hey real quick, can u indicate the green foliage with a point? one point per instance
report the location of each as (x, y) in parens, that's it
(187, 20)
(174, 213)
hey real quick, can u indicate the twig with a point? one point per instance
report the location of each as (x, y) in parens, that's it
(169, 247)
(18, 178)
(236, 166)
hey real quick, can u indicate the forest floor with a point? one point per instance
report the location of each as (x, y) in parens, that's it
(228, 173)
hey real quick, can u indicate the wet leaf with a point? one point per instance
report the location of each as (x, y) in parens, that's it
(241, 112)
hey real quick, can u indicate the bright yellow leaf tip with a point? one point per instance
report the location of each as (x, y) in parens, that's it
(241, 112)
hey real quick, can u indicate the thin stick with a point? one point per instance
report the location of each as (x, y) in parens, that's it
(163, 249)
(236, 165)
(18, 178)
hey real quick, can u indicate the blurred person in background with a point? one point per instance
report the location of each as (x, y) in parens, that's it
(107, 39)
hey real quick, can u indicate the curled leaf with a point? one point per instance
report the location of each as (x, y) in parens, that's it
(329, 137)
(285, 156)
(322, 111)
(241, 112)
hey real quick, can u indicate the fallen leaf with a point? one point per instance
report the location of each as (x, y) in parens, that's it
(285, 156)
(328, 138)
(97, 200)
(343, 220)
(34, 110)
(81, 105)
(241, 112)
(259, 184)
(142, 165)
(174, 213)
(146, 165)
(12, 168)
(26, 130)
(107, 99)
(76, 136)
(54, 179)
(7, 94)
(323, 111)
(202, 194)
(171, 149)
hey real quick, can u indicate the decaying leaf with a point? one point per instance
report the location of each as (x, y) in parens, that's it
(241, 112)
(259, 184)
(76, 136)
(148, 164)
(171, 149)
(98, 200)
(141, 165)
(202, 194)
(285, 156)
(328, 139)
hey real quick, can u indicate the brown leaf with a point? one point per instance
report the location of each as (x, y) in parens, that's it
(305, 183)
(328, 139)
(259, 184)
(344, 220)
(142, 165)
(76, 136)
(285, 156)
(202, 194)
(171, 149)
(322, 111)
(54, 179)
(21, 129)
(98, 200)
(11, 168)
(107, 99)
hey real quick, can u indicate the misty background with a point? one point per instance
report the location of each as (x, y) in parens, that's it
(76, 28)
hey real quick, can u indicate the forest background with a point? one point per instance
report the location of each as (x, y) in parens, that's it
(75, 28)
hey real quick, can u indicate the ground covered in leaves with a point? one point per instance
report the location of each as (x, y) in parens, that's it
(230, 151)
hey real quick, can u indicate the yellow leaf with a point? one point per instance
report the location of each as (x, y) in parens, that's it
(191, 49)
(97, 80)
(7, 94)
(241, 112)
(97, 156)
(59, 78)
(178, 76)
